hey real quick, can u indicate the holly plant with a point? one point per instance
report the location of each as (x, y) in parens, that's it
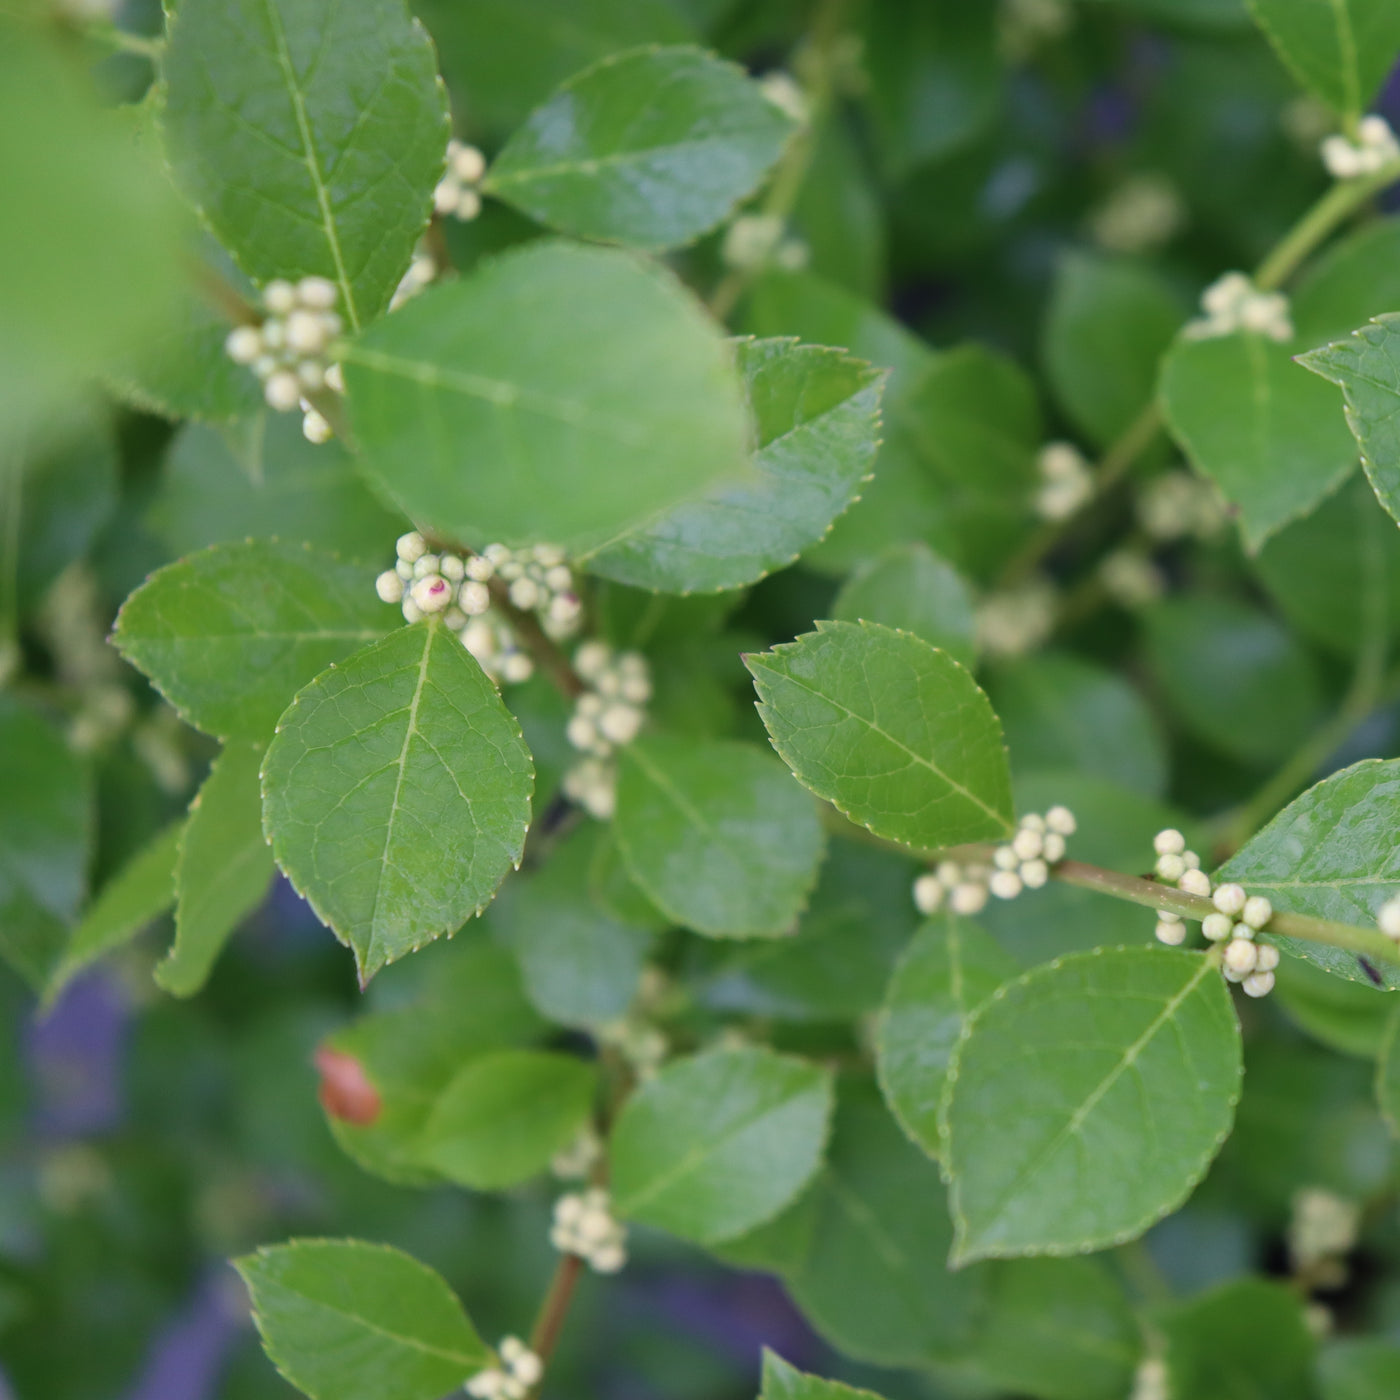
(758, 641)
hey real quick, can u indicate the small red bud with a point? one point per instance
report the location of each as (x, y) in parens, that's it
(345, 1091)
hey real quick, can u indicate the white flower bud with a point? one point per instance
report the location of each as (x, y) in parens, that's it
(411, 611)
(445, 196)
(1171, 934)
(424, 565)
(389, 586)
(928, 894)
(468, 206)
(479, 638)
(1170, 867)
(404, 570)
(411, 547)
(1265, 957)
(1005, 884)
(1258, 984)
(1061, 821)
(466, 163)
(282, 391)
(1033, 821)
(592, 659)
(450, 566)
(474, 597)
(312, 375)
(305, 333)
(949, 872)
(636, 689)
(968, 898)
(1240, 956)
(317, 293)
(279, 297)
(244, 344)
(1193, 861)
(1194, 881)
(335, 379)
(1243, 930)
(1229, 898)
(525, 594)
(454, 618)
(1169, 842)
(1004, 858)
(1027, 844)
(315, 428)
(432, 594)
(582, 733)
(1217, 927)
(1034, 874)
(480, 569)
(620, 723)
(1054, 847)
(1388, 917)
(1257, 911)
(517, 668)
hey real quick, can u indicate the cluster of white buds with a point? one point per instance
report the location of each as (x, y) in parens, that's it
(1023, 25)
(1388, 917)
(585, 1225)
(577, 1160)
(1322, 1228)
(457, 193)
(1023, 863)
(1182, 868)
(1233, 303)
(753, 241)
(1177, 504)
(1066, 481)
(540, 582)
(640, 1043)
(785, 93)
(607, 717)
(421, 272)
(288, 350)
(1131, 579)
(519, 1372)
(1017, 620)
(1374, 149)
(1141, 215)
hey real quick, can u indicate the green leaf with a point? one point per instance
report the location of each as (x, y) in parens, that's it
(818, 422)
(1359, 1368)
(1367, 366)
(347, 1320)
(1060, 711)
(46, 814)
(503, 1116)
(1270, 439)
(581, 964)
(891, 731)
(472, 1003)
(949, 969)
(223, 871)
(142, 890)
(259, 479)
(720, 1142)
(1355, 279)
(310, 135)
(1341, 50)
(1245, 1340)
(397, 793)
(784, 1382)
(559, 393)
(717, 835)
(650, 148)
(1331, 853)
(1388, 1073)
(910, 588)
(1349, 1017)
(1103, 1058)
(230, 634)
(1263, 697)
(1108, 325)
(875, 1281)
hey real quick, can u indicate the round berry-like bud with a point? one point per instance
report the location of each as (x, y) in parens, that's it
(1257, 911)
(1258, 984)
(582, 733)
(454, 618)
(1173, 935)
(450, 566)
(468, 164)
(1193, 861)
(619, 723)
(590, 703)
(411, 611)
(517, 668)
(949, 871)
(446, 195)
(1027, 844)
(1034, 874)
(411, 547)
(525, 594)
(928, 893)
(480, 569)
(1195, 882)
(335, 379)
(1005, 884)
(560, 578)
(1033, 821)
(474, 597)
(280, 297)
(1004, 858)
(1229, 898)
(1388, 917)
(424, 565)
(1061, 821)
(1169, 842)
(592, 659)
(389, 586)
(468, 206)
(1170, 867)
(1167, 917)
(1266, 957)
(1054, 847)
(479, 638)
(312, 374)
(265, 365)
(968, 898)
(317, 293)
(636, 689)
(315, 428)
(244, 344)
(1243, 930)
(1240, 955)
(1217, 927)
(305, 333)
(282, 391)
(432, 594)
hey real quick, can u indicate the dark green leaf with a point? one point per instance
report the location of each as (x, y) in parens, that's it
(783, 1382)
(1349, 1017)
(1341, 50)
(1355, 279)
(910, 588)
(1359, 1368)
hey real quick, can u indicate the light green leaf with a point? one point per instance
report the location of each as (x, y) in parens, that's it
(720, 1142)
(259, 479)
(1124, 1055)
(1244, 1340)
(230, 634)
(581, 963)
(1109, 323)
(784, 1382)
(1340, 50)
(910, 588)
(1269, 439)
(223, 871)
(891, 731)
(818, 422)
(310, 135)
(1060, 711)
(1331, 853)
(875, 1281)
(650, 148)
(1349, 1017)
(503, 1116)
(472, 1002)
(1359, 1368)
(46, 814)
(142, 890)
(560, 393)
(949, 969)
(347, 1320)
(717, 835)
(1367, 366)
(397, 793)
